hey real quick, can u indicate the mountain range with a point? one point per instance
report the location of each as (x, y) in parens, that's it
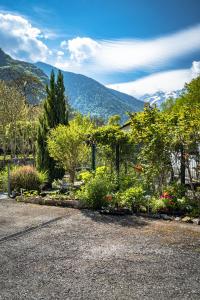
(84, 94)
(159, 97)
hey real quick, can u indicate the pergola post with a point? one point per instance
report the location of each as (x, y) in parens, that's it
(182, 166)
(9, 189)
(93, 156)
(117, 164)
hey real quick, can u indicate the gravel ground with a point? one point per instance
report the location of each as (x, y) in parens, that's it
(3, 196)
(59, 253)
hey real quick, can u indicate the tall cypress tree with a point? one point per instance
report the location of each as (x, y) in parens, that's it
(61, 109)
(54, 113)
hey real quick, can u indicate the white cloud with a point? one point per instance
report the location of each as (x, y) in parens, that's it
(163, 81)
(82, 49)
(20, 39)
(63, 44)
(126, 55)
(60, 53)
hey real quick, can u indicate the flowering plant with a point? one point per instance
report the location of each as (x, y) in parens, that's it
(169, 200)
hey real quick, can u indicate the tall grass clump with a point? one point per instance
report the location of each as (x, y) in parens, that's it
(26, 177)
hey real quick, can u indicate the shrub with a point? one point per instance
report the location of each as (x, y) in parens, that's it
(94, 193)
(102, 171)
(157, 205)
(132, 198)
(166, 203)
(176, 189)
(129, 180)
(85, 176)
(26, 177)
(30, 193)
(3, 180)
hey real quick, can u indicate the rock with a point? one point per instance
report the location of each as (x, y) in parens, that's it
(196, 221)
(166, 217)
(186, 219)
(155, 216)
(177, 219)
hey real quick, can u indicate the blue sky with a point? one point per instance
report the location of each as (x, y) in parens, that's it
(137, 46)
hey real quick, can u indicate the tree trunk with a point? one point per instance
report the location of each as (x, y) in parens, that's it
(72, 175)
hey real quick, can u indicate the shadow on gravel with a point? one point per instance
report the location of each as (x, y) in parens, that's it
(125, 220)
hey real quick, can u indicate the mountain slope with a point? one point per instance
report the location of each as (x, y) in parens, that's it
(85, 94)
(11, 69)
(89, 96)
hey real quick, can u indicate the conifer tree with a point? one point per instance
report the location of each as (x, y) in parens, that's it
(54, 113)
(61, 109)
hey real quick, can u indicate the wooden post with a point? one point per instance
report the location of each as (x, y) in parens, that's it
(93, 157)
(182, 166)
(9, 191)
(117, 165)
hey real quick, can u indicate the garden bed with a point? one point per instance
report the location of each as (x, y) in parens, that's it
(185, 219)
(50, 201)
(60, 201)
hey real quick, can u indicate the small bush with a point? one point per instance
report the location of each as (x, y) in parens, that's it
(176, 189)
(95, 191)
(102, 171)
(30, 193)
(85, 176)
(26, 177)
(129, 180)
(3, 180)
(132, 198)
(157, 205)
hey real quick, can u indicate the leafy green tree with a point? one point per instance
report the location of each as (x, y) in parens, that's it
(184, 125)
(114, 120)
(54, 113)
(29, 85)
(12, 110)
(67, 144)
(163, 135)
(151, 131)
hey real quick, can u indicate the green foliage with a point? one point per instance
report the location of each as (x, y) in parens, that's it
(176, 189)
(67, 144)
(102, 171)
(109, 135)
(132, 198)
(85, 176)
(180, 205)
(114, 120)
(4, 180)
(26, 177)
(25, 77)
(93, 193)
(151, 131)
(157, 205)
(30, 193)
(129, 179)
(107, 138)
(54, 113)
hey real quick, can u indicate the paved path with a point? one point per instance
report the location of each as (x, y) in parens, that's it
(58, 253)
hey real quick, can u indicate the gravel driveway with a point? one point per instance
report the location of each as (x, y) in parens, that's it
(58, 253)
